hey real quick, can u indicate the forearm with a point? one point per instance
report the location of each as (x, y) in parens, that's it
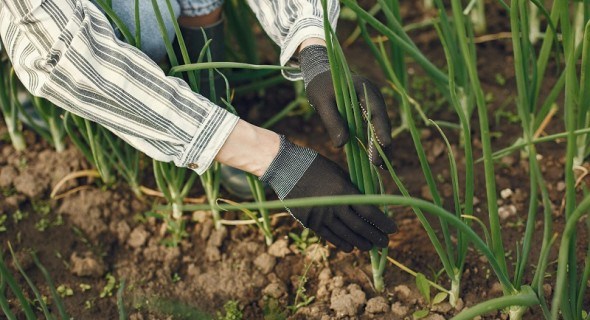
(74, 60)
(249, 148)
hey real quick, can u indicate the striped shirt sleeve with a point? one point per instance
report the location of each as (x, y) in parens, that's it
(66, 52)
(289, 22)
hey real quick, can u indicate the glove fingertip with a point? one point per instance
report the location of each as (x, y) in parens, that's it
(340, 139)
(390, 227)
(346, 248)
(384, 242)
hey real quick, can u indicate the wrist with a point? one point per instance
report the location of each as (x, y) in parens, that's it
(314, 61)
(310, 42)
(287, 168)
(249, 148)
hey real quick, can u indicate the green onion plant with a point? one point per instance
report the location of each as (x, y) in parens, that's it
(476, 11)
(26, 306)
(89, 138)
(8, 104)
(51, 115)
(174, 182)
(534, 23)
(363, 175)
(109, 154)
(569, 293)
(456, 88)
(51, 124)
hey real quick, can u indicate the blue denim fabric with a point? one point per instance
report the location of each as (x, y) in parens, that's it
(152, 43)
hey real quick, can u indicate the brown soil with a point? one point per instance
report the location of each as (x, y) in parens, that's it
(94, 234)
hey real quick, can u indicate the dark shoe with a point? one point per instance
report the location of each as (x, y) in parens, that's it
(235, 182)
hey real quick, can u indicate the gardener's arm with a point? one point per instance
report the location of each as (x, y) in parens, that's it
(297, 172)
(66, 51)
(297, 27)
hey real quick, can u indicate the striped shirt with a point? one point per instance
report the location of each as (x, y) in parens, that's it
(66, 51)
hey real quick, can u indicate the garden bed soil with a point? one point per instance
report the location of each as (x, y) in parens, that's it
(93, 235)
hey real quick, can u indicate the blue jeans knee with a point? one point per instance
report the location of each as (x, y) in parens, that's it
(152, 42)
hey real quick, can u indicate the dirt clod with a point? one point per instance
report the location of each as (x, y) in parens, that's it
(138, 237)
(217, 237)
(30, 185)
(347, 302)
(7, 176)
(403, 292)
(317, 252)
(377, 305)
(279, 249)
(87, 265)
(434, 316)
(265, 263)
(507, 211)
(506, 193)
(200, 216)
(443, 307)
(547, 289)
(121, 229)
(400, 310)
(460, 304)
(275, 290)
(88, 210)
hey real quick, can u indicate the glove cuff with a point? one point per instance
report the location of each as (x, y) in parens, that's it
(287, 167)
(313, 60)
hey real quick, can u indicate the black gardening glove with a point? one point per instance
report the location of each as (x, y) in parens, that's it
(315, 69)
(298, 172)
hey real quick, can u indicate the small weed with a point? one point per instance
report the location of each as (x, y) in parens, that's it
(500, 79)
(42, 207)
(107, 291)
(272, 310)
(424, 288)
(420, 314)
(510, 116)
(58, 221)
(84, 287)
(64, 291)
(232, 311)
(176, 277)
(8, 191)
(18, 216)
(303, 241)
(42, 224)
(301, 297)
